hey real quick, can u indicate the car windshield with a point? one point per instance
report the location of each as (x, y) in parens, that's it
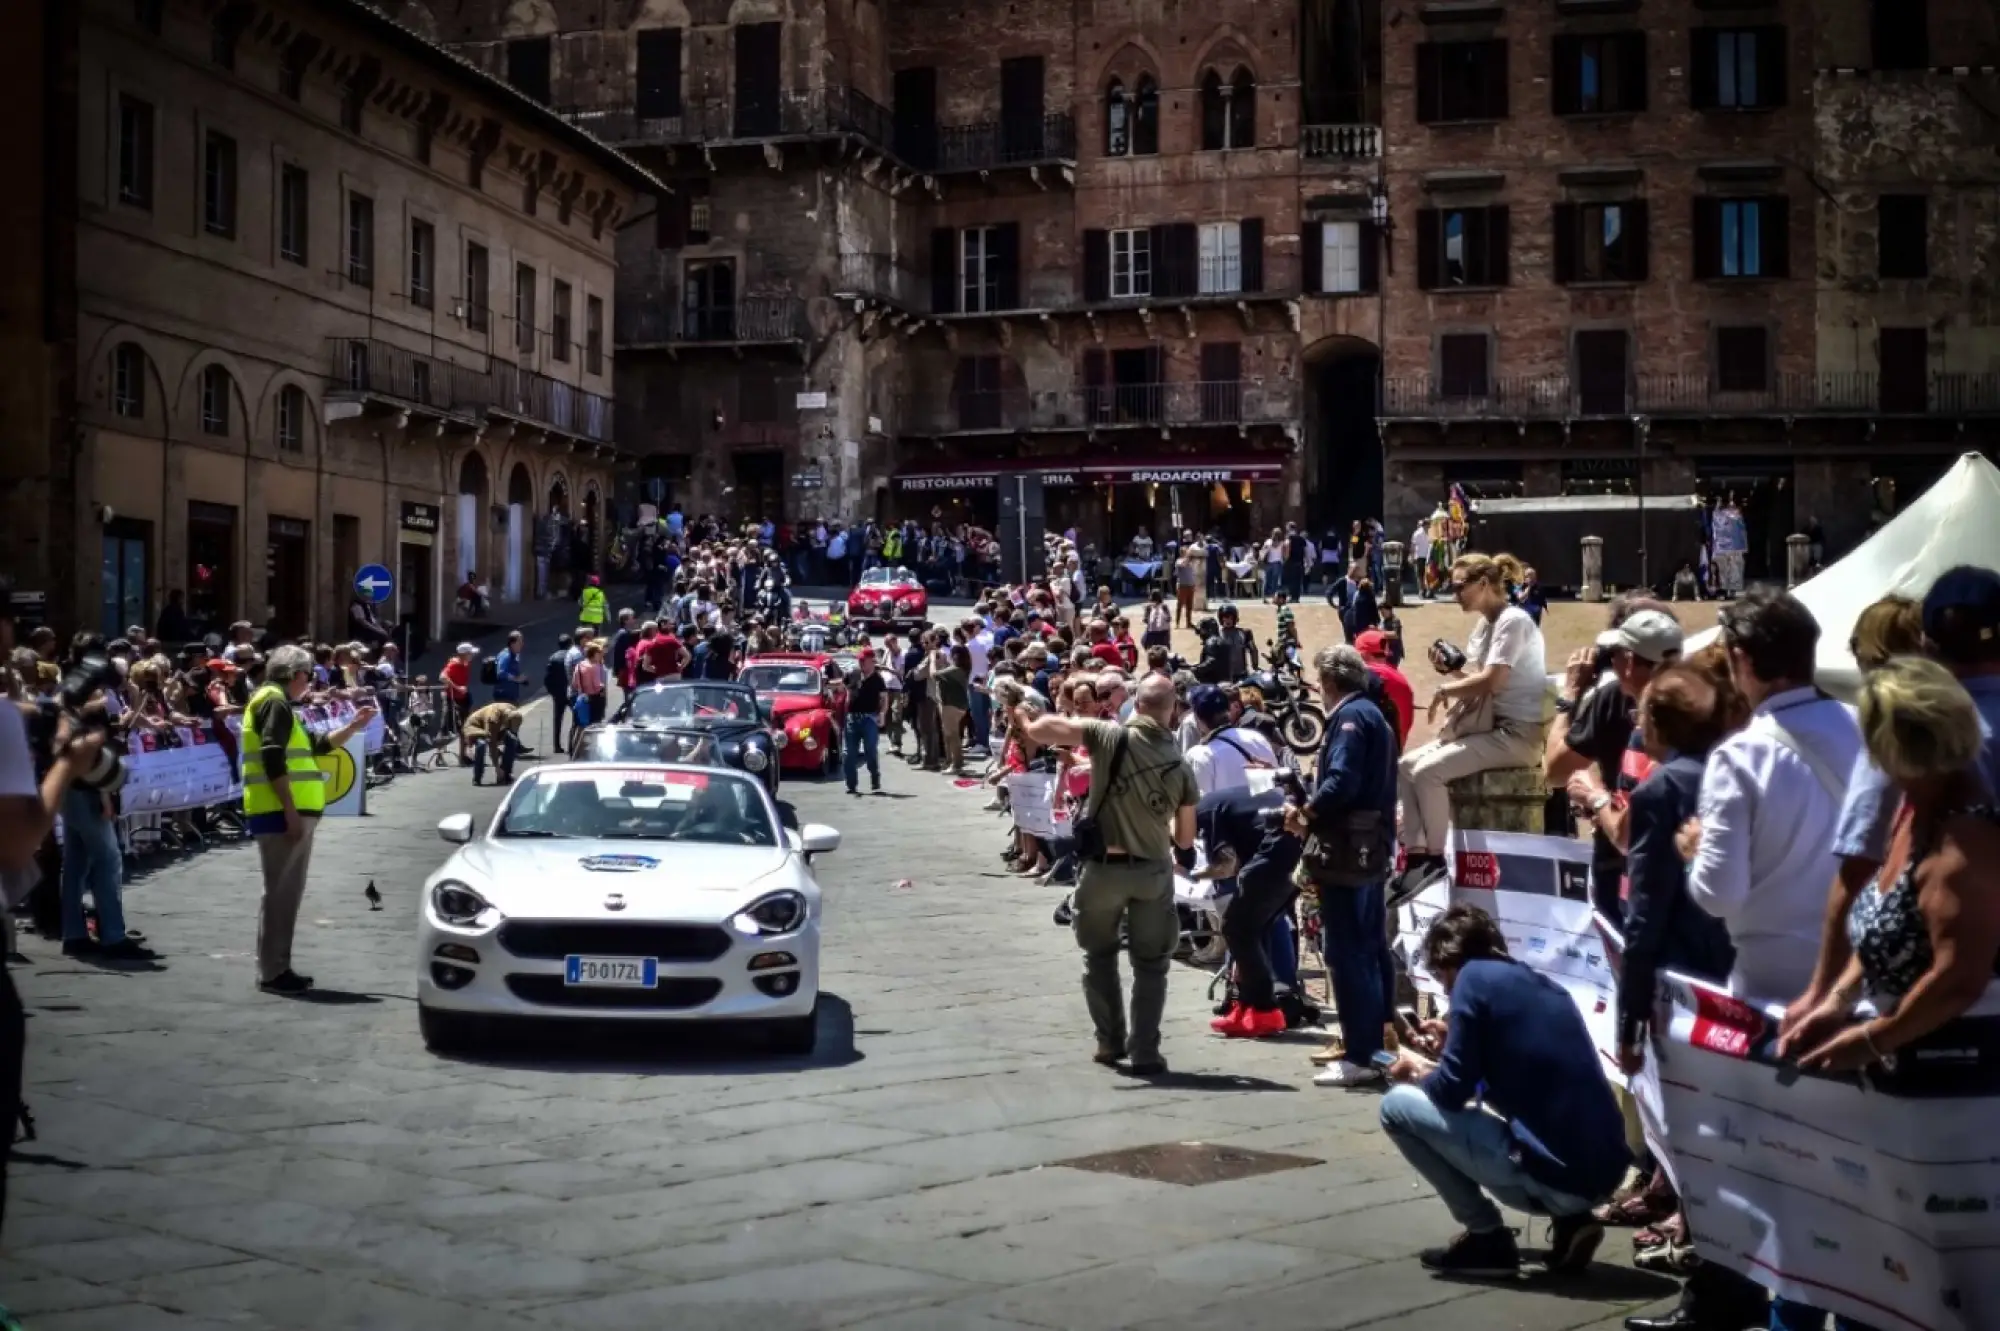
(694, 702)
(623, 745)
(886, 577)
(780, 678)
(639, 804)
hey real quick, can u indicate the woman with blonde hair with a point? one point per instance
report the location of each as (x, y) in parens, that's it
(1498, 699)
(1892, 626)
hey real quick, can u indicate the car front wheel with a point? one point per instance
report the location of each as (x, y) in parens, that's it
(447, 1032)
(793, 1036)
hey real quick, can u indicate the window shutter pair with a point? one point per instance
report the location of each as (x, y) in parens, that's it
(1312, 242)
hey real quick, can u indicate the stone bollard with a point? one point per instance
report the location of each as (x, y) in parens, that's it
(1798, 559)
(1593, 569)
(1505, 799)
(1392, 573)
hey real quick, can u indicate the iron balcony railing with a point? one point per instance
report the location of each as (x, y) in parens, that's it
(380, 369)
(749, 319)
(1164, 406)
(837, 109)
(1213, 276)
(1338, 143)
(881, 277)
(1563, 397)
(990, 144)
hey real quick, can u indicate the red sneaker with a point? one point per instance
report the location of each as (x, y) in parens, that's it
(1261, 1023)
(1231, 1022)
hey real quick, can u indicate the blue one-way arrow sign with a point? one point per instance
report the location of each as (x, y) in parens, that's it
(374, 582)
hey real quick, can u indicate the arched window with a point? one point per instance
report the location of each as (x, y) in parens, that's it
(128, 380)
(1117, 121)
(215, 388)
(1214, 113)
(1146, 118)
(1228, 111)
(1243, 110)
(292, 419)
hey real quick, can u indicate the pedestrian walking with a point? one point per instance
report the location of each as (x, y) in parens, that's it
(555, 679)
(867, 706)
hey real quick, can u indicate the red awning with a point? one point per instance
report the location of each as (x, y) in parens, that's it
(1058, 473)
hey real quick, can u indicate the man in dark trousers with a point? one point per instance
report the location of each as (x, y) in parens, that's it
(1246, 844)
(555, 678)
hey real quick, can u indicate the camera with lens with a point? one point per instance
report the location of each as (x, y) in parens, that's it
(1287, 783)
(91, 674)
(1447, 657)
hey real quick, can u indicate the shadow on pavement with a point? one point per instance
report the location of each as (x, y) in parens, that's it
(664, 1048)
(333, 997)
(1204, 1081)
(1603, 1282)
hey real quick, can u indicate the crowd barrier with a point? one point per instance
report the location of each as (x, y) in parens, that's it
(1873, 1196)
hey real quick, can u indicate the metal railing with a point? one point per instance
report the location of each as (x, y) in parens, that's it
(750, 319)
(997, 143)
(837, 109)
(881, 277)
(380, 369)
(1336, 143)
(1214, 276)
(1171, 405)
(1427, 395)
(1560, 396)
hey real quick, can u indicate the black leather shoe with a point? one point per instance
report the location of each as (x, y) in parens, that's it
(1680, 1319)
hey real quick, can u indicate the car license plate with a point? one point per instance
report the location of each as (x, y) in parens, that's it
(612, 972)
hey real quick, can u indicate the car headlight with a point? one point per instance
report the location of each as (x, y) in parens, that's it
(455, 903)
(779, 913)
(754, 758)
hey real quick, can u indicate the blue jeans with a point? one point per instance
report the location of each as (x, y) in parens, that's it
(1282, 947)
(1274, 574)
(1354, 925)
(1789, 1316)
(981, 712)
(503, 758)
(91, 860)
(1465, 1155)
(861, 739)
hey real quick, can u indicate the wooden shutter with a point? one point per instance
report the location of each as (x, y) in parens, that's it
(1250, 236)
(1774, 235)
(1369, 239)
(1566, 87)
(1772, 59)
(670, 219)
(659, 73)
(1496, 79)
(1631, 56)
(944, 270)
(1430, 249)
(1707, 238)
(1096, 266)
(1006, 261)
(1701, 68)
(1498, 242)
(1428, 84)
(1311, 247)
(1564, 225)
(1176, 259)
(1638, 240)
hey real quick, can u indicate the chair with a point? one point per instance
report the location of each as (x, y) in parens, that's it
(1248, 585)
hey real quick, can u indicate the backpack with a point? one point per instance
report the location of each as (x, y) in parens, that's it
(489, 671)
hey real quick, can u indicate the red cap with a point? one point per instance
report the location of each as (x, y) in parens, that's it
(1374, 642)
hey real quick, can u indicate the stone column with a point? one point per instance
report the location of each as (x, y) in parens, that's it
(1392, 573)
(1798, 559)
(1593, 568)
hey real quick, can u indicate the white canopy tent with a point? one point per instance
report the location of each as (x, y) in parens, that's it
(1956, 521)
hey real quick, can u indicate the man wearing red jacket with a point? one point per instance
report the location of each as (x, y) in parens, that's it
(1373, 644)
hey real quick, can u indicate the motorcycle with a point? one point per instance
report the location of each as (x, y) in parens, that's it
(1289, 699)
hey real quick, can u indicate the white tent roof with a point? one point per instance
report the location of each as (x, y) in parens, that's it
(1956, 521)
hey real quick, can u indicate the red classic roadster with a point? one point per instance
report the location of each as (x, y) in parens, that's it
(889, 598)
(807, 696)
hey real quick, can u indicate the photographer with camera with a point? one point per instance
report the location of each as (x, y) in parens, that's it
(1350, 820)
(1243, 835)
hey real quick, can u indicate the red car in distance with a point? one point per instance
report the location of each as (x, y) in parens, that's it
(807, 695)
(889, 598)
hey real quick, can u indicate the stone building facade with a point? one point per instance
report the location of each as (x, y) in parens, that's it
(1238, 263)
(340, 300)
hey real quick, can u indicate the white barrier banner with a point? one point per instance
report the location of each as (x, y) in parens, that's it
(325, 718)
(1877, 1198)
(346, 772)
(191, 774)
(1036, 810)
(1537, 888)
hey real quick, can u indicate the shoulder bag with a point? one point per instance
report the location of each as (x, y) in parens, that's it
(1089, 833)
(1354, 852)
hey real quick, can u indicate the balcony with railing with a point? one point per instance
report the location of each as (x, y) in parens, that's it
(1230, 403)
(401, 378)
(834, 110)
(993, 144)
(1340, 143)
(1206, 278)
(750, 319)
(1559, 397)
(879, 277)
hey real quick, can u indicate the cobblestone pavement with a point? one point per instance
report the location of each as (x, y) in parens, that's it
(211, 1157)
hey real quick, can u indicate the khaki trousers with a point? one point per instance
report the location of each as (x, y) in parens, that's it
(1423, 773)
(1142, 896)
(284, 862)
(953, 721)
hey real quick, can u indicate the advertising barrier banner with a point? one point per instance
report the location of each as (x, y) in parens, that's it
(1036, 811)
(164, 776)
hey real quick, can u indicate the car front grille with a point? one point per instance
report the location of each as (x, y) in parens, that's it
(674, 993)
(554, 940)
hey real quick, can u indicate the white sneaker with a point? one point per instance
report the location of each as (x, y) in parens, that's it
(1344, 1073)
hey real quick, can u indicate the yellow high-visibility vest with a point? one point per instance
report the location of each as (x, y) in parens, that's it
(591, 606)
(307, 779)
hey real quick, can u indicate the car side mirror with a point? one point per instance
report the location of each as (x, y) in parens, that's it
(793, 839)
(457, 829)
(818, 838)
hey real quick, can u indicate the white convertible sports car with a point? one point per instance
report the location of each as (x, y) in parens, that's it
(627, 892)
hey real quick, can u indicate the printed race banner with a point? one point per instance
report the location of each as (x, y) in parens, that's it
(1036, 811)
(164, 775)
(1876, 1197)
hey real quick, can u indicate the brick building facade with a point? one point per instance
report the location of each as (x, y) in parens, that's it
(1241, 262)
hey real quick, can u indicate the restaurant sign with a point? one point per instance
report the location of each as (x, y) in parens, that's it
(1142, 475)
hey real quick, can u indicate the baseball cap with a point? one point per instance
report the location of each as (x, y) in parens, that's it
(1372, 642)
(466, 649)
(1963, 607)
(1650, 635)
(1208, 703)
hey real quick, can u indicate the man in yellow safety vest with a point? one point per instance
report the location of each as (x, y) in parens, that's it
(284, 793)
(591, 608)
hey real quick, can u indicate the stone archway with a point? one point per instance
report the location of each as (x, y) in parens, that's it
(520, 533)
(1344, 467)
(475, 492)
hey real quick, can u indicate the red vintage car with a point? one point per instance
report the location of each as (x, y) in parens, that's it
(889, 598)
(807, 695)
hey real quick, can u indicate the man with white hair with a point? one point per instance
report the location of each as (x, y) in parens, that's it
(284, 793)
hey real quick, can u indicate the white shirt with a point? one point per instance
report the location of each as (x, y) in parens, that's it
(980, 645)
(1512, 640)
(1219, 766)
(1767, 829)
(1420, 542)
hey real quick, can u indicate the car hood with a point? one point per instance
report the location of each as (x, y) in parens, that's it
(894, 589)
(791, 704)
(538, 878)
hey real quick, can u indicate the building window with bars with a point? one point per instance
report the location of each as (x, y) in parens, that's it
(128, 380)
(361, 240)
(214, 400)
(292, 419)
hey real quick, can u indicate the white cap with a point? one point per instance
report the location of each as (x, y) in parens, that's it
(466, 649)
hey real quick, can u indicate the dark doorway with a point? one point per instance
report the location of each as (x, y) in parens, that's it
(659, 74)
(1021, 108)
(1136, 378)
(288, 575)
(1601, 372)
(1349, 451)
(760, 486)
(1222, 382)
(211, 564)
(976, 392)
(758, 81)
(916, 117)
(710, 291)
(1905, 360)
(413, 597)
(126, 575)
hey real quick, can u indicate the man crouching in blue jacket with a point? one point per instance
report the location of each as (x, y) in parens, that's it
(1548, 1137)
